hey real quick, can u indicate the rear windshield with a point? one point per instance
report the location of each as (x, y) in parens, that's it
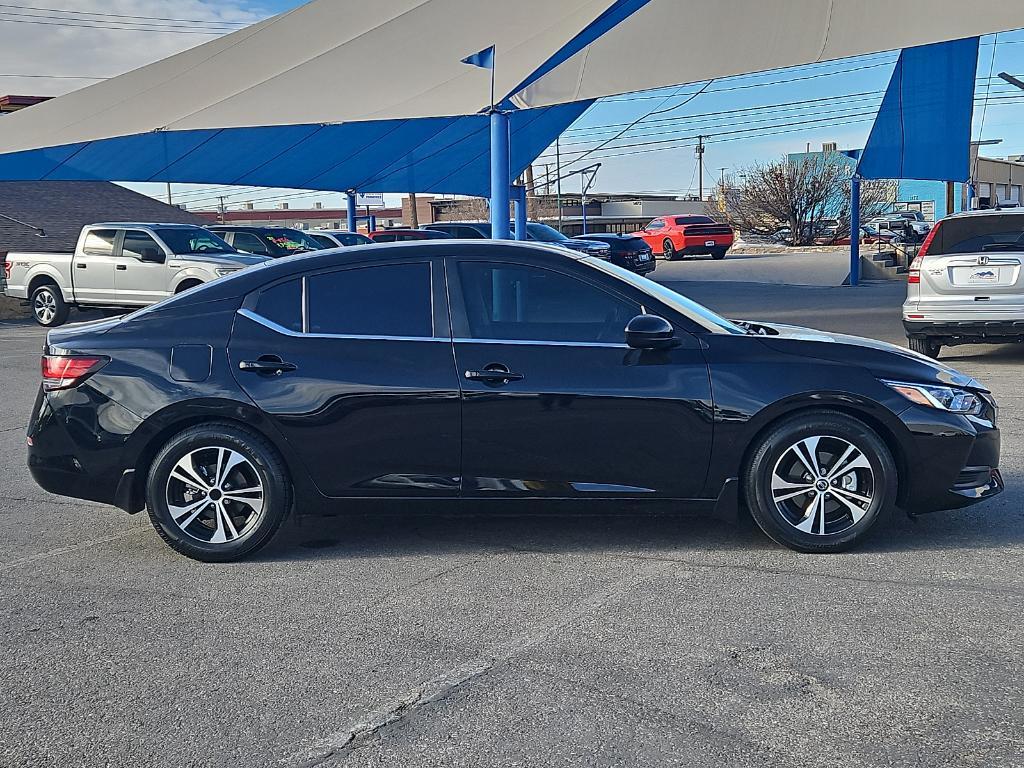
(976, 234)
(694, 220)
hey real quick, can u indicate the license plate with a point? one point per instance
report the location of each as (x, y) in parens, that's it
(644, 257)
(709, 243)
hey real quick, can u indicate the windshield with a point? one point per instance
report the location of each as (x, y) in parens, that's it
(190, 240)
(691, 309)
(543, 233)
(290, 240)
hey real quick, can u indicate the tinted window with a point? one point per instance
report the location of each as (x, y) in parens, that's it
(324, 240)
(282, 304)
(290, 240)
(245, 241)
(972, 234)
(352, 238)
(99, 242)
(385, 238)
(535, 304)
(694, 220)
(656, 224)
(390, 300)
(473, 233)
(135, 243)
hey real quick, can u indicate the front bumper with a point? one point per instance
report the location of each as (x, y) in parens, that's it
(953, 461)
(954, 332)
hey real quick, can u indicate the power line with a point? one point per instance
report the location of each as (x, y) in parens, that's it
(109, 27)
(220, 22)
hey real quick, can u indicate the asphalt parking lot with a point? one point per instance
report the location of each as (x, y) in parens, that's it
(543, 640)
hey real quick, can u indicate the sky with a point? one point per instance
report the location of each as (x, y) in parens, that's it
(746, 119)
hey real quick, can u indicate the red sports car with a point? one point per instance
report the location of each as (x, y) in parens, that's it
(678, 236)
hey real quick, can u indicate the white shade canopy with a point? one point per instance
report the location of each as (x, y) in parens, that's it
(335, 61)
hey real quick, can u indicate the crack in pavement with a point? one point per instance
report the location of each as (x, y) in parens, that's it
(338, 746)
(10, 565)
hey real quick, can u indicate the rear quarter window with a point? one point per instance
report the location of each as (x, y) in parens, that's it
(282, 304)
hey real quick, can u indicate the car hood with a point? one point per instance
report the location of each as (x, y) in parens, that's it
(224, 259)
(881, 358)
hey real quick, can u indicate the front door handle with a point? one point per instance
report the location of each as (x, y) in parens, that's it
(267, 364)
(121, 266)
(494, 373)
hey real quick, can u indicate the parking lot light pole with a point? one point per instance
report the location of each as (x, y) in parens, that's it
(854, 230)
(519, 205)
(500, 162)
(350, 196)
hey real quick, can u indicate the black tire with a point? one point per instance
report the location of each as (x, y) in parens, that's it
(252, 529)
(876, 482)
(48, 306)
(928, 347)
(668, 250)
(718, 254)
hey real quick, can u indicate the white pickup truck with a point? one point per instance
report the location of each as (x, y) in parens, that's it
(120, 265)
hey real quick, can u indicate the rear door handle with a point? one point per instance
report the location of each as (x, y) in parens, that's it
(494, 373)
(121, 266)
(267, 364)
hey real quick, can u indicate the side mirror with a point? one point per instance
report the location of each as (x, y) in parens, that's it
(152, 254)
(650, 332)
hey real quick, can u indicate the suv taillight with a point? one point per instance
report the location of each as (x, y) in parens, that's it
(66, 371)
(914, 272)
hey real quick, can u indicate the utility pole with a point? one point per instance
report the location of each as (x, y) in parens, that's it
(700, 165)
(558, 179)
(530, 191)
(221, 208)
(547, 179)
(169, 200)
(414, 215)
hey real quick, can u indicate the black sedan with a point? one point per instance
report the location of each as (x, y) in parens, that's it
(486, 370)
(627, 251)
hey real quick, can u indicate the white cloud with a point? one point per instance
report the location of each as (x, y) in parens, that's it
(48, 49)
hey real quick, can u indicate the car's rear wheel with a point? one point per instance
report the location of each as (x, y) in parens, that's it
(48, 306)
(718, 254)
(668, 250)
(217, 492)
(820, 482)
(928, 347)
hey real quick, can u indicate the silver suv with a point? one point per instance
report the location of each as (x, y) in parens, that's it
(966, 285)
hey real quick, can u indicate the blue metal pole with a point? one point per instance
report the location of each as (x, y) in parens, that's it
(970, 195)
(519, 201)
(351, 198)
(854, 230)
(500, 164)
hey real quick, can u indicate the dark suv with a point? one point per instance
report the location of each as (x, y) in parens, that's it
(535, 231)
(266, 241)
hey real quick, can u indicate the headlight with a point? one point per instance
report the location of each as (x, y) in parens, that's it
(221, 271)
(935, 396)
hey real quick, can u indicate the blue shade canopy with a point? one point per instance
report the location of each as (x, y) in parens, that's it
(435, 154)
(923, 128)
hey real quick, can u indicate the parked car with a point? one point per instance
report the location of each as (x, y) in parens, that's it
(338, 238)
(909, 225)
(628, 251)
(274, 242)
(119, 265)
(535, 232)
(869, 235)
(400, 235)
(966, 284)
(316, 382)
(676, 236)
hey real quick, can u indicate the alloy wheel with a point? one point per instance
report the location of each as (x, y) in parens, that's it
(45, 306)
(215, 495)
(823, 485)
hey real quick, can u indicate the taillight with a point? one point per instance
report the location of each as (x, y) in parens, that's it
(65, 371)
(7, 270)
(914, 272)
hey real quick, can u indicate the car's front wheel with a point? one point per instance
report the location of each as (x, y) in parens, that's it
(928, 347)
(819, 482)
(217, 492)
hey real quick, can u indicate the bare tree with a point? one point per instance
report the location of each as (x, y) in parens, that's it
(809, 196)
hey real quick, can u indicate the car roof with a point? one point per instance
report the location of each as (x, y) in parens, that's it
(249, 226)
(988, 212)
(162, 225)
(329, 232)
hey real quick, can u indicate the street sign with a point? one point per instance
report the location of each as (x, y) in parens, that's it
(370, 200)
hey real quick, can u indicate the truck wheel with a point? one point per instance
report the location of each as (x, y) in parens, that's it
(718, 254)
(928, 347)
(48, 305)
(668, 250)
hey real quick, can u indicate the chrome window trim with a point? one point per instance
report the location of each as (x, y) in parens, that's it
(250, 315)
(539, 343)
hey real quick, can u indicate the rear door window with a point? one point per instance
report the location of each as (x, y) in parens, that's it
(100, 242)
(281, 304)
(380, 300)
(246, 241)
(138, 244)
